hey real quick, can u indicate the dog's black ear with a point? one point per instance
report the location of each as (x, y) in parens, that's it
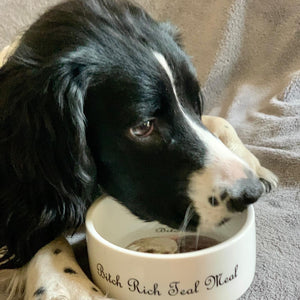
(45, 168)
(173, 31)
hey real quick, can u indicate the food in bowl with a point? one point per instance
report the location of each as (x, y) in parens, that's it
(173, 244)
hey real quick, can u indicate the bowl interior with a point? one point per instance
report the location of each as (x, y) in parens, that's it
(117, 225)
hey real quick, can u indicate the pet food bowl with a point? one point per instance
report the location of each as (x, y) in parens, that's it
(221, 272)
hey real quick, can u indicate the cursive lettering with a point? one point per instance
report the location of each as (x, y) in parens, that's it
(175, 289)
(135, 286)
(165, 229)
(219, 280)
(108, 277)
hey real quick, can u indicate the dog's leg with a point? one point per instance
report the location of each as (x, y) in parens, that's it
(54, 274)
(226, 133)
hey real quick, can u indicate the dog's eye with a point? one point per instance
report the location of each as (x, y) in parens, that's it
(143, 130)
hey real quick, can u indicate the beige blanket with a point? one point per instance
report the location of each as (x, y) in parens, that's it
(247, 54)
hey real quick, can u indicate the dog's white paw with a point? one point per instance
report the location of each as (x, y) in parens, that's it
(227, 134)
(53, 274)
(268, 178)
(69, 286)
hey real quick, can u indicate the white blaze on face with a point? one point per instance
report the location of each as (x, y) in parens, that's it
(222, 167)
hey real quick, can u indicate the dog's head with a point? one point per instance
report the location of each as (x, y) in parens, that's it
(144, 129)
(99, 83)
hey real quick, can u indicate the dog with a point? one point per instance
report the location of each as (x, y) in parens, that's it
(97, 97)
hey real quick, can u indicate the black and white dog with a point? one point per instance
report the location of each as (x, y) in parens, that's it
(99, 94)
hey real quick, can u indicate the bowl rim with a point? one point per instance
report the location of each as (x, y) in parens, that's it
(90, 228)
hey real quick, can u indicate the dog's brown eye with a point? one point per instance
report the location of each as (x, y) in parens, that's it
(143, 130)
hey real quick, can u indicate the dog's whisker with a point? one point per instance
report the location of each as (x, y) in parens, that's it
(187, 218)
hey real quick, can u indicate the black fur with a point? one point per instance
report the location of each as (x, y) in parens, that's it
(39, 291)
(82, 75)
(69, 271)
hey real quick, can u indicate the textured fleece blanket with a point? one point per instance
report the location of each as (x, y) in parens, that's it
(247, 54)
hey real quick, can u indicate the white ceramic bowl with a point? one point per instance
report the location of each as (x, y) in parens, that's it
(221, 272)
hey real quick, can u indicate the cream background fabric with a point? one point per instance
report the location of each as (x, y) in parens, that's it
(247, 55)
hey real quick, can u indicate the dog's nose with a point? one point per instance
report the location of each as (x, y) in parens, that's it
(244, 192)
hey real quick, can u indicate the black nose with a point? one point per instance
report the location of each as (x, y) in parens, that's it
(245, 191)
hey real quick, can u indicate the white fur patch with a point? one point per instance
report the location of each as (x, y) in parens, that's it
(200, 190)
(46, 277)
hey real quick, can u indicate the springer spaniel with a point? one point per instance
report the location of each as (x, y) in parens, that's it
(98, 95)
